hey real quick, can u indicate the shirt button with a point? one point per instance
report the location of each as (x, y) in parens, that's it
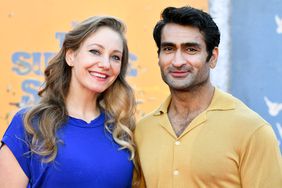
(177, 143)
(176, 172)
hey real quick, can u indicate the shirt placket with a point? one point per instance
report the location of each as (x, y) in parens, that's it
(176, 167)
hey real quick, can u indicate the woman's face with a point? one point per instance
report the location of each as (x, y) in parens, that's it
(97, 62)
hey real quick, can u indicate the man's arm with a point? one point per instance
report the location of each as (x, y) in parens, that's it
(261, 162)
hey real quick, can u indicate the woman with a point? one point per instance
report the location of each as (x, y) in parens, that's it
(80, 134)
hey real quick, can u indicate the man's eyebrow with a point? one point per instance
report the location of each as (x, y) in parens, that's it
(186, 44)
(191, 44)
(167, 44)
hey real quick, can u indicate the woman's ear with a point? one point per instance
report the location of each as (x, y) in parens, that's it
(70, 57)
(214, 57)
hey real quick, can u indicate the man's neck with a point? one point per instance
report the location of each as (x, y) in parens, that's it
(186, 105)
(190, 101)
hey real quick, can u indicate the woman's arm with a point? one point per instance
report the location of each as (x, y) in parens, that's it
(11, 173)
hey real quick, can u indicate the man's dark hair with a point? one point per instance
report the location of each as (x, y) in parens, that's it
(189, 16)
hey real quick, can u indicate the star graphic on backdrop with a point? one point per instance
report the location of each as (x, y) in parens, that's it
(273, 107)
(278, 21)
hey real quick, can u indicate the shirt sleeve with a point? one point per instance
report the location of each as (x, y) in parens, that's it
(261, 162)
(15, 139)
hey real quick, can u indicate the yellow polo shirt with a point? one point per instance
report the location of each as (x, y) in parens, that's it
(226, 146)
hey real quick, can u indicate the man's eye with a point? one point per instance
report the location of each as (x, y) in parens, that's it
(96, 52)
(191, 50)
(167, 48)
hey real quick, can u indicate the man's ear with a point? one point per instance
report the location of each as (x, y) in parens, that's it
(70, 57)
(214, 57)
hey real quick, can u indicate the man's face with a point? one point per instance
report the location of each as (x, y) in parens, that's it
(182, 57)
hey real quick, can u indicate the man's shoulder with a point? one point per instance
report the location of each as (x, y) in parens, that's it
(242, 112)
(153, 117)
(148, 118)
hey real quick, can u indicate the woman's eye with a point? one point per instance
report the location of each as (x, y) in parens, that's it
(96, 52)
(116, 58)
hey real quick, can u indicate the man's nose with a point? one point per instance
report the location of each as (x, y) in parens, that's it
(178, 59)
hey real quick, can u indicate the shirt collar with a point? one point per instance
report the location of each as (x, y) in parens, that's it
(220, 101)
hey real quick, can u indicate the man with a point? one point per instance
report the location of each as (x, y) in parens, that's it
(201, 136)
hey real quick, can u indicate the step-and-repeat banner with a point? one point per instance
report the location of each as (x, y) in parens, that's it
(256, 72)
(33, 30)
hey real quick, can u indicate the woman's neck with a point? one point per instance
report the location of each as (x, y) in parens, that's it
(82, 105)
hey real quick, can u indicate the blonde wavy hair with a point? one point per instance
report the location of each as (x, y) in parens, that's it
(43, 120)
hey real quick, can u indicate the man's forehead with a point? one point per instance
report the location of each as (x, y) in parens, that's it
(179, 34)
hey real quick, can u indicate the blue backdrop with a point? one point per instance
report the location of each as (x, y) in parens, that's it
(256, 70)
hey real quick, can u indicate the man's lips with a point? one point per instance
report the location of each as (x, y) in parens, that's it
(179, 74)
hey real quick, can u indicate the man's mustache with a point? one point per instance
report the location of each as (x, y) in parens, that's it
(184, 68)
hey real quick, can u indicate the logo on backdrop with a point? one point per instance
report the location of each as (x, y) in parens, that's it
(278, 21)
(274, 109)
